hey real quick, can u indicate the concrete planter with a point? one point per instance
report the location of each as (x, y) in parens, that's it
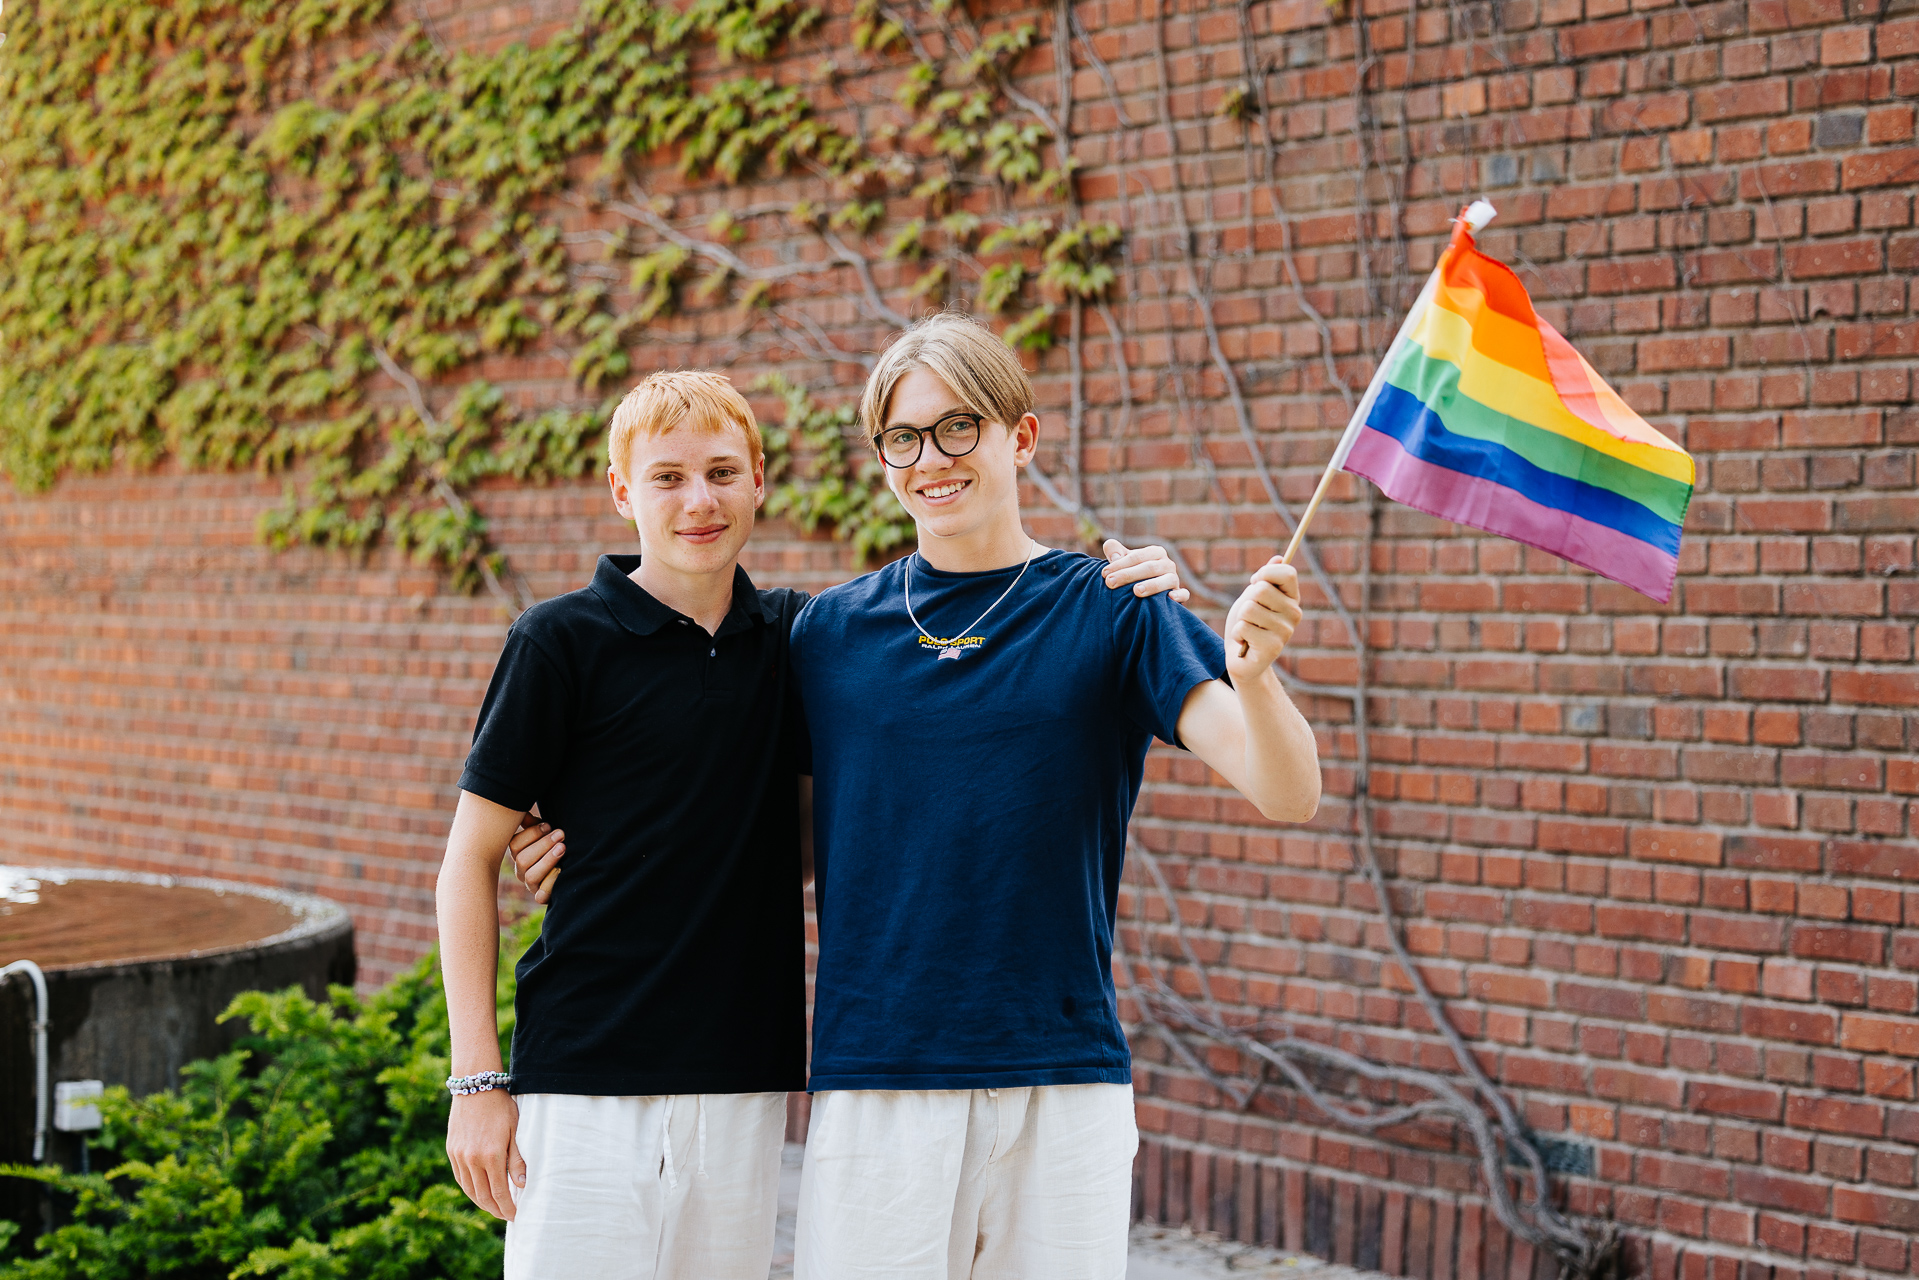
(137, 1021)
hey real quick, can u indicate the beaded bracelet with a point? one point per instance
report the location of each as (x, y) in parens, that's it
(460, 1086)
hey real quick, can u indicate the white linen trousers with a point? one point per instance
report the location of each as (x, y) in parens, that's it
(1030, 1183)
(683, 1187)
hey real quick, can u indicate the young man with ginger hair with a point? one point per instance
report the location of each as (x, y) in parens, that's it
(660, 1017)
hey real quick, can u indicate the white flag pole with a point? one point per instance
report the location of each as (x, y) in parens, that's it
(1477, 215)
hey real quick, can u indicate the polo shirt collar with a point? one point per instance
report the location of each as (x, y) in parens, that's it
(637, 610)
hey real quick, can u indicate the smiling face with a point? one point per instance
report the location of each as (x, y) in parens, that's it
(958, 502)
(691, 491)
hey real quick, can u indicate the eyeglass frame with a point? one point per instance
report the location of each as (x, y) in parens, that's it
(927, 433)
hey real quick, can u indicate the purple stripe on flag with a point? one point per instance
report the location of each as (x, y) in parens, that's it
(1484, 504)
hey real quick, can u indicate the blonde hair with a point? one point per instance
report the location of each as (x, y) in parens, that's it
(671, 398)
(964, 354)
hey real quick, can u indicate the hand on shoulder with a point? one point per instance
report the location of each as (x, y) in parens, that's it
(1149, 571)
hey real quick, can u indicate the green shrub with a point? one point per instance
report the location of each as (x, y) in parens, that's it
(315, 1149)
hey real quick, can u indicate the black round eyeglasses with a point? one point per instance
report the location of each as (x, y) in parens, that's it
(955, 435)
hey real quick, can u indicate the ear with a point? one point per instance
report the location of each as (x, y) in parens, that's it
(622, 496)
(1025, 439)
(759, 483)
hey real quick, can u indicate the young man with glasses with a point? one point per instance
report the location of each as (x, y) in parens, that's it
(980, 713)
(661, 1014)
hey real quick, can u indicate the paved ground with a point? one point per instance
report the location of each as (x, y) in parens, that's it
(1157, 1253)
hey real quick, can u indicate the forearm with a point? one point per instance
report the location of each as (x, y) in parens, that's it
(1281, 769)
(1255, 738)
(467, 899)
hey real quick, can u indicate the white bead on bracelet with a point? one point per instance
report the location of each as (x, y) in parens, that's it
(460, 1086)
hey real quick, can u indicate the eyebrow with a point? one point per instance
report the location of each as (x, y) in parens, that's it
(936, 421)
(718, 457)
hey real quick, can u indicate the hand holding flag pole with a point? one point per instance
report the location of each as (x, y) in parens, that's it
(1482, 414)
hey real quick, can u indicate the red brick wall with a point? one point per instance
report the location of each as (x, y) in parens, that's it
(1660, 860)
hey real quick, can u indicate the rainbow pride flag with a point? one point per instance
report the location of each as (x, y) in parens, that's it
(1482, 414)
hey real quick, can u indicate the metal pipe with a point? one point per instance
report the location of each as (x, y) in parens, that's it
(32, 970)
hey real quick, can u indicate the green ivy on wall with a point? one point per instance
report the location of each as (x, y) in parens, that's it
(817, 476)
(294, 234)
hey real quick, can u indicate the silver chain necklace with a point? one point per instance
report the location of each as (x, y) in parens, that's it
(952, 648)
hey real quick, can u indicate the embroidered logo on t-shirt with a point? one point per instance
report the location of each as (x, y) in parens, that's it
(952, 648)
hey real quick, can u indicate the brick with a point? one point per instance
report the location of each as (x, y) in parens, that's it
(1775, 853)
(1737, 933)
(1604, 838)
(1776, 1191)
(1829, 430)
(1835, 1115)
(1875, 1208)
(1834, 599)
(1876, 688)
(1731, 597)
(1665, 355)
(1676, 844)
(1693, 1176)
(1651, 923)
(1593, 39)
(1748, 766)
(1880, 169)
(1784, 515)
(1838, 942)
(1631, 1085)
(1882, 1252)
(1800, 1025)
(1624, 1004)
(1899, 39)
(1873, 1033)
(1823, 259)
(1773, 182)
(1740, 101)
(1863, 514)
(1882, 859)
(1748, 1102)
(1638, 275)
(1829, 770)
(1845, 46)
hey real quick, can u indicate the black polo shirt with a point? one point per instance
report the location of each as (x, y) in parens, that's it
(672, 958)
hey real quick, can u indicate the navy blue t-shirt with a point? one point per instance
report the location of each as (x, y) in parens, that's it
(970, 816)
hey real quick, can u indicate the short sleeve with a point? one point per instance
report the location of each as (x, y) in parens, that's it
(1164, 651)
(522, 736)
